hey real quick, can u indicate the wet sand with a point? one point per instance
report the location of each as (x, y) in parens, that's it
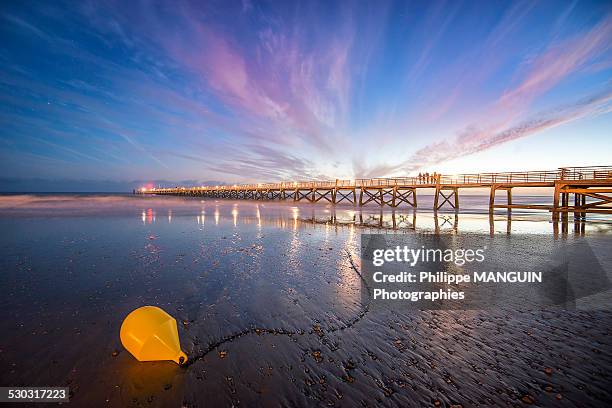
(270, 310)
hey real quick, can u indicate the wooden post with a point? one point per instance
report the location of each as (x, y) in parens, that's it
(556, 202)
(393, 204)
(456, 198)
(576, 206)
(492, 198)
(436, 199)
(564, 204)
(334, 192)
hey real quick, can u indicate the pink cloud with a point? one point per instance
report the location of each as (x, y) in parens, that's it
(289, 88)
(472, 140)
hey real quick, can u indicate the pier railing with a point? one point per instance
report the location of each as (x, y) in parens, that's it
(546, 176)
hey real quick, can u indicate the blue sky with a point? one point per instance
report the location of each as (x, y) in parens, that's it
(114, 94)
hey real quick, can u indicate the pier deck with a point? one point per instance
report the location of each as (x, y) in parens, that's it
(591, 188)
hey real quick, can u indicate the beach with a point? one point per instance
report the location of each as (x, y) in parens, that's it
(270, 310)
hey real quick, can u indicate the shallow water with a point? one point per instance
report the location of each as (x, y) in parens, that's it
(285, 277)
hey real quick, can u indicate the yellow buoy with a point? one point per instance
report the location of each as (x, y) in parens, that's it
(150, 334)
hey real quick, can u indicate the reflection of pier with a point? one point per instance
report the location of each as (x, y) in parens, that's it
(591, 188)
(438, 222)
(373, 220)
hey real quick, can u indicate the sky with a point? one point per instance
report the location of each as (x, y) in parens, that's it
(111, 95)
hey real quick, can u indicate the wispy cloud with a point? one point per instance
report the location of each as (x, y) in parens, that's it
(472, 139)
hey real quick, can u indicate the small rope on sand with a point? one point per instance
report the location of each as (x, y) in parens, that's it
(284, 332)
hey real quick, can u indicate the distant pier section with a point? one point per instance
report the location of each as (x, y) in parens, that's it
(590, 188)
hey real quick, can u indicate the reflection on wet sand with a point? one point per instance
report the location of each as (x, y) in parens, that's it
(400, 221)
(148, 216)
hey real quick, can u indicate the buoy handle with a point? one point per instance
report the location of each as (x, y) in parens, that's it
(181, 358)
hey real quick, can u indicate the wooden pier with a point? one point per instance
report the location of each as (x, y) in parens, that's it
(591, 188)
